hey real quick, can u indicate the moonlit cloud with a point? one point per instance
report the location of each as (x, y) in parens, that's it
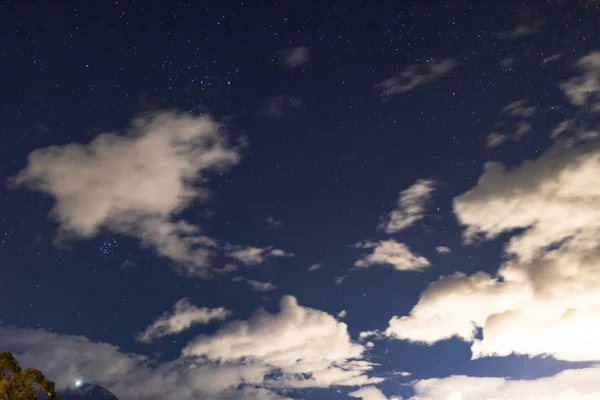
(414, 76)
(443, 250)
(368, 393)
(570, 384)
(278, 106)
(391, 253)
(251, 255)
(545, 299)
(135, 182)
(584, 89)
(315, 267)
(410, 207)
(256, 285)
(297, 340)
(515, 122)
(183, 316)
(272, 223)
(294, 56)
(259, 358)
(521, 30)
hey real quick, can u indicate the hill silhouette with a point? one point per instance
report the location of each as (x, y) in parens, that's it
(88, 391)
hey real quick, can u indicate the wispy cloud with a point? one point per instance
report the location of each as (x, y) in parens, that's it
(272, 223)
(251, 255)
(391, 253)
(294, 56)
(278, 106)
(182, 317)
(410, 207)
(256, 285)
(521, 30)
(515, 122)
(415, 76)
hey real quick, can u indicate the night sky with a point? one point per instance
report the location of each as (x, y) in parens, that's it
(305, 200)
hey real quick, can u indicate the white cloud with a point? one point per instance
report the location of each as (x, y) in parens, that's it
(443, 250)
(570, 384)
(256, 285)
(584, 90)
(183, 316)
(134, 182)
(368, 393)
(294, 56)
(545, 299)
(272, 223)
(392, 253)
(298, 340)
(410, 207)
(342, 314)
(250, 255)
(415, 76)
(340, 279)
(315, 267)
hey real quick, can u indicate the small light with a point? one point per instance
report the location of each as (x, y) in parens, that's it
(78, 383)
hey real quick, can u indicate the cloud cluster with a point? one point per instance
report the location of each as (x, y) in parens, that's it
(410, 207)
(390, 252)
(136, 182)
(443, 250)
(298, 347)
(415, 76)
(183, 316)
(309, 347)
(545, 299)
(517, 115)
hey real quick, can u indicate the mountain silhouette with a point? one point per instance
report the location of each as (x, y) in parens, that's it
(87, 391)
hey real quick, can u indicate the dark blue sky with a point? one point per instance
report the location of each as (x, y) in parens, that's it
(327, 155)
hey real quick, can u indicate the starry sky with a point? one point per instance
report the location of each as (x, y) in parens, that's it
(303, 200)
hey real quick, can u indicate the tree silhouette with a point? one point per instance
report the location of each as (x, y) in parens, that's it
(18, 384)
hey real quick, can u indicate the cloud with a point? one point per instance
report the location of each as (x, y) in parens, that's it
(443, 250)
(415, 76)
(545, 299)
(516, 119)
(250, 255)
(340, 279)
(135, 182)
(521, 30)
(315, 267)
(368, 393)
(294, 56)
(342, 314)
(310, 347)
(183, 316)
(226, 269)
(278, 106)
(570, 384)
(410, 207)
(256, 285)
(584, 90)
(259, 358)
(67, 358)
(272, 223)
(392, 253)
